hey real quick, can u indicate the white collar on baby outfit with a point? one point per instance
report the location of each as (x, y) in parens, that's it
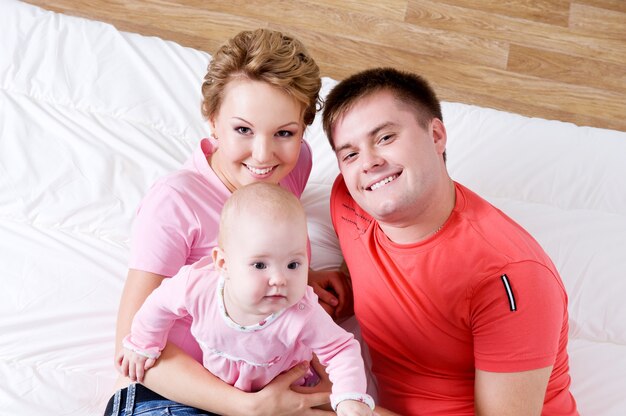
(250, 328)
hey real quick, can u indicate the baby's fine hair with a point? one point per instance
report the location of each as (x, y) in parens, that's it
(264, 201)
(405, 86)
(263, 55)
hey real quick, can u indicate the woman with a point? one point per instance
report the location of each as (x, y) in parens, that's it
(260, 92)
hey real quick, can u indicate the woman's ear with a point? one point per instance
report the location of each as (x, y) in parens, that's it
(212, 125)
(219, 260)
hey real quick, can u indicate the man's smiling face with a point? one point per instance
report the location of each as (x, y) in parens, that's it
(390, 163)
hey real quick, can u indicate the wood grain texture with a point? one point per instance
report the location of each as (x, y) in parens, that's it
(555, 59)
(554, 12)
(570, 69)
(597, 22)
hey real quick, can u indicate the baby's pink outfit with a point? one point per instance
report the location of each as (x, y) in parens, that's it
(249, 357)
(177, 221)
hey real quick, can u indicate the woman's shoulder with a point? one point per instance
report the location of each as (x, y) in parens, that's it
(297, 179)
(194, 172)
(180, 179)
(188, 182)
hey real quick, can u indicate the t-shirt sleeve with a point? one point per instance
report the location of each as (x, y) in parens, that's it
(517, 317)
(162, 233)
(297, 179)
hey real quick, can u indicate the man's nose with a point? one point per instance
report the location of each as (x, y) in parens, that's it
(370, 159)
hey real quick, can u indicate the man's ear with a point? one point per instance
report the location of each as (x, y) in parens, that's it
(219, 260)
(440, 137)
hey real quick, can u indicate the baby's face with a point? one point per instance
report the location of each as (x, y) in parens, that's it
(267, 266)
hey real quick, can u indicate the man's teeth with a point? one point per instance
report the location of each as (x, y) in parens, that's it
(383, 182)
(258, 171)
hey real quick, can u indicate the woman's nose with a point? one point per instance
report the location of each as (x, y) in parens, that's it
(262, 149)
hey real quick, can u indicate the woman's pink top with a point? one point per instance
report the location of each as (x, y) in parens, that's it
(178, 219)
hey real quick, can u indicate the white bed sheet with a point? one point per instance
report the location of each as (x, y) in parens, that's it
(90, 117)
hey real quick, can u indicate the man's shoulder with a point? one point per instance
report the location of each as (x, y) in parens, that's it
(479, 211)
(491, 227)
(345, 212)
(340, 196)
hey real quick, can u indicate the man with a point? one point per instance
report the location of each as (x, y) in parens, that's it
(462, 310)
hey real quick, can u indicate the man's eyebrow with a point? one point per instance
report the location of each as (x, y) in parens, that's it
(372, 133)
(342, 147)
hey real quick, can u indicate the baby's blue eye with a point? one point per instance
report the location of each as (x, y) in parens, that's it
(293, 265)
(259, 265)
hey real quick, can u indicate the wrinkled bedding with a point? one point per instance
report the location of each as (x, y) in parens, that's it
(91, 116)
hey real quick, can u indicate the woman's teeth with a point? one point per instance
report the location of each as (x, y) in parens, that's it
(258, 171)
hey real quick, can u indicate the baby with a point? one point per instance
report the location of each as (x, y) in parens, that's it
(253, 314)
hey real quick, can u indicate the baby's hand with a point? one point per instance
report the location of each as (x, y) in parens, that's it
(134, 365)
(353, 408)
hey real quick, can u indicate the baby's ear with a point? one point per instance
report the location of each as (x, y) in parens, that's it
(219, 259)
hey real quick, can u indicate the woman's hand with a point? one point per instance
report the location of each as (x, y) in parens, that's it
(280, 398)
(324, 384)
(334, 290)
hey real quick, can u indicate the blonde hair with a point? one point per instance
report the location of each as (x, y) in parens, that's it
(265, 201)
(263, 55)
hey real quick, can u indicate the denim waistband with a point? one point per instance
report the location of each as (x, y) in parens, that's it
(128, 397)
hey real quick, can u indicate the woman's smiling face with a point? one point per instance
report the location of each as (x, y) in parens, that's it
(259, 130)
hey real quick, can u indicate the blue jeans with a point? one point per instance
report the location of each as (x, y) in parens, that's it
(137, 400)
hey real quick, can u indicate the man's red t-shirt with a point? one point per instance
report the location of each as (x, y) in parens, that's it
(478, 294)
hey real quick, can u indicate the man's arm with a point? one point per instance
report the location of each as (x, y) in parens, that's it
(510, 394)
(379, 411)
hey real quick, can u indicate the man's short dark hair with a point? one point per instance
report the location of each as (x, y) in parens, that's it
(405, 86)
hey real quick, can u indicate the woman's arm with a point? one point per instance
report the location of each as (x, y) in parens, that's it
(152, 323)
(139, 284)
(197, 387)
